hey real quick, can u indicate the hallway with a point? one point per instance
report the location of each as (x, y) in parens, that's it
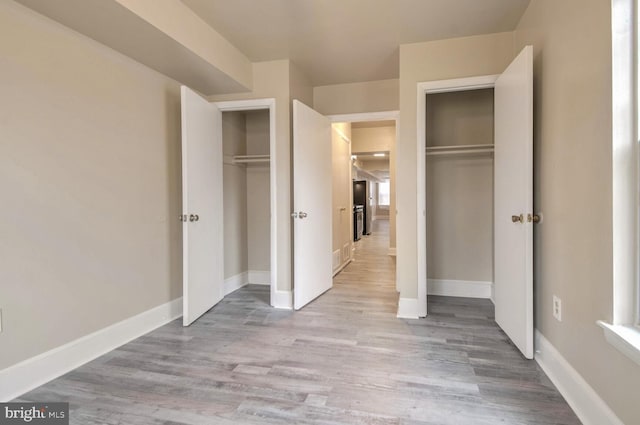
(343, 359)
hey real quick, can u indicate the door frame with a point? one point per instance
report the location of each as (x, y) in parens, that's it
(374, 116)
(270, 105)
(423, 89)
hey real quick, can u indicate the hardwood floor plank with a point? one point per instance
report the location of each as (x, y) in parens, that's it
(343, 359)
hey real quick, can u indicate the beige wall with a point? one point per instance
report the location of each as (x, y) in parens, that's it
(90, 183)
(257, 129)
(342, 205)
(393, 195)
(572, 187)
(460, 218)
(300, 87)
(258, 218)
(375, 164)
(460, 118)
(258, 194)
(370, 96)
(437, 60)
(373, 139)
(234, 185)
(271, 80)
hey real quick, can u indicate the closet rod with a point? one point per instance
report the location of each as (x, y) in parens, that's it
(250, 160)
(457, 147)
(246, 159)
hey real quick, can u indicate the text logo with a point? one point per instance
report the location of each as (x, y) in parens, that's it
(34, 413)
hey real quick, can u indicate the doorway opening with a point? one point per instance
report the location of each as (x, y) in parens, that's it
(455, 181)
(459, 193)
(363, 152)
(249, 195)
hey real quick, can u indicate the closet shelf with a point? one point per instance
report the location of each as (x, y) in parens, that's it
(248, 159)
(459, 149)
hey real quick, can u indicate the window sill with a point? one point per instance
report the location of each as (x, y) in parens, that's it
(625, 338)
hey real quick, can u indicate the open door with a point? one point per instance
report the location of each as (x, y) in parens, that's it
(202, 232)
(312, 271)
(513, 198)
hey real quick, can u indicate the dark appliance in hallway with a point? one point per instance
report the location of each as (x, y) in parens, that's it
(361, 196)
(358, 222)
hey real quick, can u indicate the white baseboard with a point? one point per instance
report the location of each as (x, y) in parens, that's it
(282, 299)
(342, 266)
(253, 277)
(408, 308)
(459, 288)
(392, 252)
(31, 373)
(335, 259)
(257, 277)
(346, 253)
(585, 402)
(236, 282)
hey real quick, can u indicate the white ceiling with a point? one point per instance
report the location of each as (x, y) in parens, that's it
(341, 41)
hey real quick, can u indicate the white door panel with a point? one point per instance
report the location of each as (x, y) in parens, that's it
(513, 180)
(312, 197)
(202, 240)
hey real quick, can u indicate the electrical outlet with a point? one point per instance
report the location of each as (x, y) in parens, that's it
(557, 308)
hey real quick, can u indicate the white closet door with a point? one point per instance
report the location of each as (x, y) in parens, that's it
(202, 234)
(513, 174)
(312, 179)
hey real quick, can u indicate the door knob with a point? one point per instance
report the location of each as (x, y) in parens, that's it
(194, 217)
(182, 217)
(517, 218)
(302, 214)
(533, 218)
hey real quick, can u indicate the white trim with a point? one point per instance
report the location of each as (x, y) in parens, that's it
(408, 308)
(236, 282)
(282, 299)
(625, 338)
(251, 277)
(585, 402)
(339, 269)
(366, 116)
(270, 104)
(459, 84)
(31, 373)
(459, 288)
(392, 252)
(245, 105)
(423, 88)
(336, 259)
(624, 163)
(257, 277)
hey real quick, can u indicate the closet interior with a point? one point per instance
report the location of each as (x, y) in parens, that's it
(246, 192)
(459, 186)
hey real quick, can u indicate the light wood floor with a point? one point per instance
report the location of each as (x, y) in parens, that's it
(344, 359)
